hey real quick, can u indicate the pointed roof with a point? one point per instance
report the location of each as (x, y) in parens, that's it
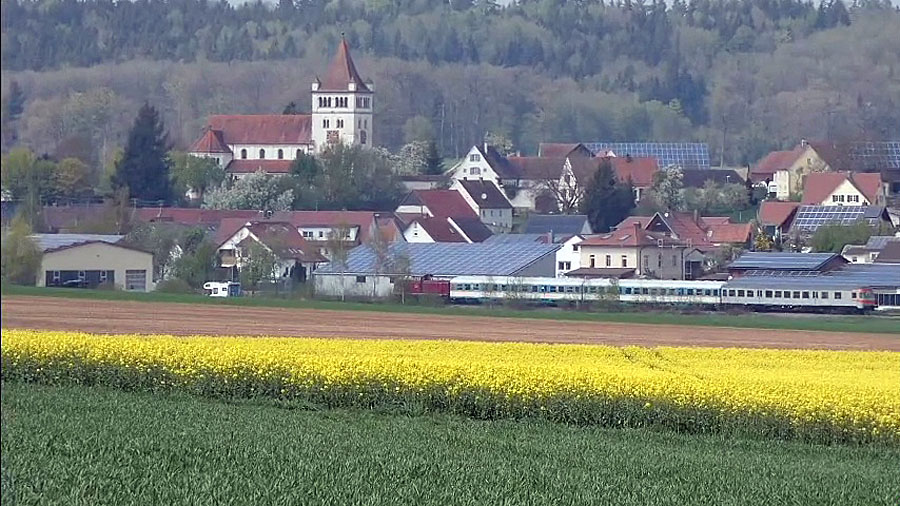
(819, 185)
(342, 72)
(288, 129)
(210, 142)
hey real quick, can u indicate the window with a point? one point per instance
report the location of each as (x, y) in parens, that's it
(262, 154)
(731, 293)
(360, 279)
(740, 293)
(593, 261)
(777, 294)
(362, 137)
(609, 260)
(340, 123)
(321, 233)
(674, 260)
(824, 295)
(768, 294)
(281, 154)
(853, 295)
(574, 247)
(564, 266)
(796, 295)
(787, 294)
(325, 123)
(645, 291)
(243, 154)
(307, 233)
(853, 198)
(299, 152)
(103, 275)
(474, 158)
(659, 261)
(749, 293)
(56, 276)
(475, 171)
(837, 295)
(624, 261)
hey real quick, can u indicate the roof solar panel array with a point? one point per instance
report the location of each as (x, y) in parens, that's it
(850, 276)
(810, 218)
(687, 155)
(52, 241)
(782, 261)
(450, 259)
(877, 155)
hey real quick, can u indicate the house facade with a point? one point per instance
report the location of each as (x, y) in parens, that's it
(295, 258)
(488, 201)
(844, 189)
(646, 253)
(342, 111)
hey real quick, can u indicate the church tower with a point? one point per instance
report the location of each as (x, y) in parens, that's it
(342, 104)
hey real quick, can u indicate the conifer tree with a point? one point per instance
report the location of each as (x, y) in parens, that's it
(144, 168)
(606, 201)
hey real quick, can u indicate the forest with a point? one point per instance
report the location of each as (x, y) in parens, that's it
(746, 76)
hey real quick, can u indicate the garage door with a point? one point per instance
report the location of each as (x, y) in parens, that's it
(136, 280)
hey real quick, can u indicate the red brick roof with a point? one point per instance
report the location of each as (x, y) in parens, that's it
(773, 162)
(700, 231)
(562, 150)
(342, 72)
(263, 128)
(441, 203)
(730, 232)
(439, 229)
(284, 241)
(210, 142)
(267, 166)
(192, 216)
(819, 185)
(776, 213)
(633, 236)
(639, 168)
(538, 168)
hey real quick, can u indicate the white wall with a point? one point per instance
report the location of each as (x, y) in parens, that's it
(356, 120)
(290, 151)
(330, 285)
(463, 169)
(416, 233)
(844, 195)
(569, 253)
(98, 257)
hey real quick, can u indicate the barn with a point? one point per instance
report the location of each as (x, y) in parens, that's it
(91, 261)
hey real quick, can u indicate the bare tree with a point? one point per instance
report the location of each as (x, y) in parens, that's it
(380, 245)
(561, 184)
(402, 267)
(338, 245)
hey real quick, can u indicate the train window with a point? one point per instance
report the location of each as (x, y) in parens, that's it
(837, 295)
(777, 294)
(853, 295)
(570, 289)
(552, 288)
(796, 295)
(824, 295)
(768, 294)
(627, 290)
(787, 294)
(740, 293)
(706, 292)
(731, 293)
(749, 293)
(534, 288)
(690, 291)
(815, 295)
(759, 293)
(805, 295)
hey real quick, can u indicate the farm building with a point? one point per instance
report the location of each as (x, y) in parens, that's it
(776, 263)
(364, 276)
(89, 261)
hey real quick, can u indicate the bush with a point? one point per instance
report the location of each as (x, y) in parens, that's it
(174, 285)
(20, 257)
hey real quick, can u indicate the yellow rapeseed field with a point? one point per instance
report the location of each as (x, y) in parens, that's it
(815, 395)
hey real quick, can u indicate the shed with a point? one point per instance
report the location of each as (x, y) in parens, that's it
(95, 262)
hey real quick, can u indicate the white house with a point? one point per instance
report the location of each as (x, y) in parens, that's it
(342, 111)
(295, 258)
(844, 189)
(488, 201)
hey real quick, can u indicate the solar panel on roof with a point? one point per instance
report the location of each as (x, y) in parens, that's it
(687, 155)
(877, 155)
(810, 218)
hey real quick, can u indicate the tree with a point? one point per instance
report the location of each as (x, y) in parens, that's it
(433, 162)
(15, 103)
(418, 129)
(255, 191)
(144, 168)
(607, 202)
(258, 264)
(560, 185)
(23, 175)
(161, 239)
(833, 238)
(412, 158)
(500, 142)
(403, 269)
(668, 189)
(381, 247)
(338, 246)
(20, 261)
(195, 174)
(292, 108)
(73, 178)
(198, 262)
(762, 242)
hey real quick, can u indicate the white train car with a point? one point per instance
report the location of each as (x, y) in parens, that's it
(664, 291)
(806, 295)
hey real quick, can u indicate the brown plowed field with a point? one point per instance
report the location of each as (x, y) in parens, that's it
(187, 319)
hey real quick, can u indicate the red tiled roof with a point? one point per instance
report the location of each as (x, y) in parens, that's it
(562, 150)
(441, 203)
(440, 229)
(639, 168)
(285, 242)
(630, 237)
(192, 216)
(819, 185)
(773, 162)
(267, 166)
(776, 213)
(210, 142)
(538, 168)
(486, 194)
(263, 128)
(730, 232)
(342, 72)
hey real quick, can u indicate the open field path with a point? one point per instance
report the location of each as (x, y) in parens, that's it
(103, 316)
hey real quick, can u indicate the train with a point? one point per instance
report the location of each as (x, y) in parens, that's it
(821, 295)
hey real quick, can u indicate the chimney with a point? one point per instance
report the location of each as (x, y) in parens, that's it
(697, 216)
(637, 228)
(803, 143)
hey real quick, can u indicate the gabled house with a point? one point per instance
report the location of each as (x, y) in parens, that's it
(563, 150)
(557, 224)
(703, 232)
(440, 216)
(633, 251)
(435, 203)
(488, 202)
(295, 258)
(870, 251)
(775, 217)
(843, 189)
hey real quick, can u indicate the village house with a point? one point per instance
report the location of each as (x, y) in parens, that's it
(440, 216)
(488, 202)
(295, 258)
(568, 256)
(870, 251)
(342, 111)
(775, 217)
(843, 189)
(633, 251)
(91, 261)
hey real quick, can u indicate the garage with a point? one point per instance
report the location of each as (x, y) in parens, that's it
(89, 261)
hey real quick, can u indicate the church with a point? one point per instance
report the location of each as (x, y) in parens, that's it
(342, 109)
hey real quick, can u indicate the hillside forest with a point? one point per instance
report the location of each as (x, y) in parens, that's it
(746, 76)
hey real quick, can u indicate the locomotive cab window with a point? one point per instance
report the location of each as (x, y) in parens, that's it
(853, 295)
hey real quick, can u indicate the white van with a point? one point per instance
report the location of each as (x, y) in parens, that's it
(222, 288)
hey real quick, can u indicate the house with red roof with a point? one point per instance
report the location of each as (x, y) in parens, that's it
(631, 251)
(775, 217)
(844, 189)
(295, 258)
(440, 216)
(342, 111)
